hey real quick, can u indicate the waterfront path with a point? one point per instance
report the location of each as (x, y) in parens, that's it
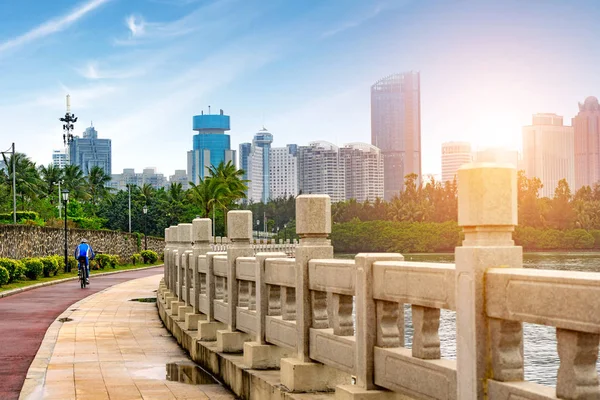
(25, 317)
(116, 348)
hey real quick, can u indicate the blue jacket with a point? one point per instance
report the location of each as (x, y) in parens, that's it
(84, 250)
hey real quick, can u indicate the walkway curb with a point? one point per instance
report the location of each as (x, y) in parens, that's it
(39, 285)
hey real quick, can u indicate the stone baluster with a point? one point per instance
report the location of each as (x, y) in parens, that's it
(487, 212)
(207, 329)
(239, 234)
(577, 374)
(313, 225)
(174, 302)
(201, 237)
(258, 354)
(184, 234)
(367, 325)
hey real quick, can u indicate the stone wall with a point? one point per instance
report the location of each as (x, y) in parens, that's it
(19, 241)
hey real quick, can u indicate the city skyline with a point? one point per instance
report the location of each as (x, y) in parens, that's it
(133, 73)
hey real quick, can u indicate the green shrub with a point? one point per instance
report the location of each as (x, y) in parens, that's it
(149, 256)
(21, 215)
(137, 259)
(103, 260)
(60, 261)
(114, 260)
(33, 268)
(4, 276)
(50, 266)
(15, 268)
(73, 264)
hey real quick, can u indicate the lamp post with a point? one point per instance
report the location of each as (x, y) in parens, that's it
(284, 233)
(145, 210)
(14, 180)
(65, 199)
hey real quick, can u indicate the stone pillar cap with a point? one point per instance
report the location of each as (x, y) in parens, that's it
(313, 215)
(184, 233)
(239, 225)
(487, 194)
(202, 230)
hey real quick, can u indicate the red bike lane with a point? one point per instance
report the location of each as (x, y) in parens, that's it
(25, 317)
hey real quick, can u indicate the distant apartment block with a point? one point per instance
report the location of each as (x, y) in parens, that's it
(320, 171)
(548, 152)
(283, 171)
(130, 177)
(211, 145)
(454, 155)
(90, 151)
(354, 171)
(587, 143)
(180, 176)
(256, 175)
(363, 171)
(59, 158)
(396, 128)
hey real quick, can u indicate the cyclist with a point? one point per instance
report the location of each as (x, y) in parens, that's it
(83, 254)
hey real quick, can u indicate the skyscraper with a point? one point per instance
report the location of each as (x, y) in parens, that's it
(363, 171)
(548, 152)
(59, 158)
(454, 155)
(89, 151)
(587, 143)
(263, 140)
(283, 171)
(396, 128)
(211, 145)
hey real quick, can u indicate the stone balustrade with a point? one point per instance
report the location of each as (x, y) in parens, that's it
(261, 246)
(338, 325)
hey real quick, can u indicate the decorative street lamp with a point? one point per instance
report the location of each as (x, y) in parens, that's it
(65, 199)
(284, 233)
(145, 210)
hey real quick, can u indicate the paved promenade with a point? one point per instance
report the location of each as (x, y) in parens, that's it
(25, 317)
(115, 348)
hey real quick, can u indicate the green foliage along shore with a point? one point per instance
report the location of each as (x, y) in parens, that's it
(431, 237)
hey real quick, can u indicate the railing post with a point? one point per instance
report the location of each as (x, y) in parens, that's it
(313, 225)
(258, 354)
(201, 236)
(184, 234)
(487, 212)
(239, 234)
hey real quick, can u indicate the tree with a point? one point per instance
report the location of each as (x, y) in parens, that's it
(96, 182)
(561, 214)
(75, 182)
(50, 176)
(28, 183)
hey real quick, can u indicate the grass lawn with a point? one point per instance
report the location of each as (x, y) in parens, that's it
(73, 273)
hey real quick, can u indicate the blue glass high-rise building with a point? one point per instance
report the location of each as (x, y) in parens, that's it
(211, 145)
(90, 151)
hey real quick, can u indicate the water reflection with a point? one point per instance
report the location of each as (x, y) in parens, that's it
(190, 374)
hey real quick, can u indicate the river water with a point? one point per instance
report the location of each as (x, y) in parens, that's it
(541, 357)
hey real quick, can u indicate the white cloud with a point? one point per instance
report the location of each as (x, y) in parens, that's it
(52, 26)
(136, 25)
(207, 17)
(93, 71)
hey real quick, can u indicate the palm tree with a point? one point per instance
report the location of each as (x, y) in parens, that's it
(227, 186)
(96, 182)
(175, 192)
(50, 176)
(75, 182)
(147, 192)
(28, 182)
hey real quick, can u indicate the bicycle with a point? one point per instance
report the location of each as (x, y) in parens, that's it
(82, 272)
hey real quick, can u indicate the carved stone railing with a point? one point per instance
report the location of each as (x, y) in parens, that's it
(288, 247)
(339, 324)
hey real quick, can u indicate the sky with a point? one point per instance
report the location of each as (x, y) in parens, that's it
(140, 69)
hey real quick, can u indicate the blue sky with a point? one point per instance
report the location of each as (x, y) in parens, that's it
(140, 69)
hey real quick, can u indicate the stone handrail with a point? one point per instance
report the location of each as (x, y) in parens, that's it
(339, 324)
